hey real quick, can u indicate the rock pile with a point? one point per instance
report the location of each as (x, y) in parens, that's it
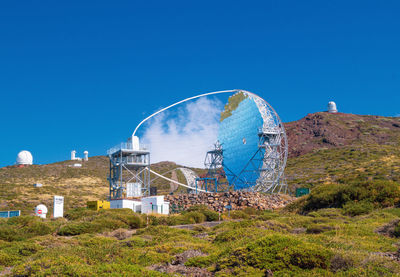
(236, 199)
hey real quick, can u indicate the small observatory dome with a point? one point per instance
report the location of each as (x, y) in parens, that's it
(41, 211)
(332, 107)
(24, 158)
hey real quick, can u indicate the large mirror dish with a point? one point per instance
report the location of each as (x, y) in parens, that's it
(253, 142)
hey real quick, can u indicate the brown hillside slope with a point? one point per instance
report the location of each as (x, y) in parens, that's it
(324, 130)
(76, 184)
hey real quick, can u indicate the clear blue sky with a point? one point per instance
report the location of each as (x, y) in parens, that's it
(81, 75)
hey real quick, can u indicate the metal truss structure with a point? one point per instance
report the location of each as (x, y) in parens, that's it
(265, 163)
(216, 178)
(128, 167)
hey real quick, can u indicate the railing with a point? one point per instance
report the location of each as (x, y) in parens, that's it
(269, 130)
(124, 146)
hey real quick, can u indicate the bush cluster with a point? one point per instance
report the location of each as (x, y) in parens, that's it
(279, 252)
(208, 213)
(87, 221)
(355, 198)
(24, 227)
(195, 214)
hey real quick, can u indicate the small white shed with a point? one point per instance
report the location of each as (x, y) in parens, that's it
(126, 204)
(155, 204)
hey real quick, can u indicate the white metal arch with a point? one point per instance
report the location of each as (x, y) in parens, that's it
(213, 93)
(180, 102)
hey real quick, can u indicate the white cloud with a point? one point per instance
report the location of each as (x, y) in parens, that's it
(184, 135)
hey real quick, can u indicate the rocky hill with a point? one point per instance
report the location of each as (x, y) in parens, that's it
(326, 131)
(337, 148)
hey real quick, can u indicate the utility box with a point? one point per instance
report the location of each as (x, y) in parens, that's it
(302, 191)
(98, 205)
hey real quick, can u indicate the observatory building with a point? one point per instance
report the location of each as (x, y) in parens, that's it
(332, 107)
(24, 158)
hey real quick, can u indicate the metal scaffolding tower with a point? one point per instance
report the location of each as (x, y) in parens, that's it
(215, 179)
(129, 171)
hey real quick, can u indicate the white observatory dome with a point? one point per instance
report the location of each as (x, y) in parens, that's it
(41, 211)
(332, 107)
(24, 158)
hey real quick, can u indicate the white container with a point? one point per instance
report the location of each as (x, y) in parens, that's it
(155, 204)
(126, 204)
(121, 204)
(133, 190)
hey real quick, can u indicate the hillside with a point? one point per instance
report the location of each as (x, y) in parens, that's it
(329, 148)
(324, 130)
(77, 185)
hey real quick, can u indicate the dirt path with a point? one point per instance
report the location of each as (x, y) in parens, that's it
(173, 186)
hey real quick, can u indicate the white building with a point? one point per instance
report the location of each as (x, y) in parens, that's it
(155, 204)
(126, 204)
(332, 107)
(24, 158)
(85, 156)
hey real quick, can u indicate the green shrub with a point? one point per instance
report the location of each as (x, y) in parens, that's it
(396, 231)
(24, 227)
(28, 249)
(278, 252)
(379, 193)
(5, 259)
(201, 261)
(73, 229)
(104, 223)
(357, 208)
(134, 221)
(252, 211)
(328, 212)
(197, 217)
(80, 213)
(318, 228)
(239, 215)
(210, 214)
